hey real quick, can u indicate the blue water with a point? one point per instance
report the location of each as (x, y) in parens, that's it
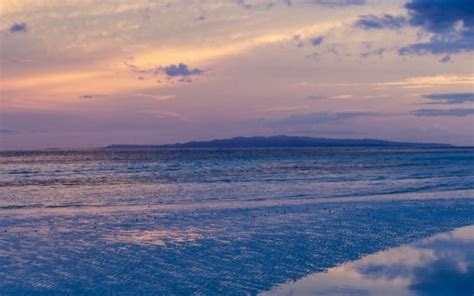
(437, 266)
(41, 179)
(216, 221)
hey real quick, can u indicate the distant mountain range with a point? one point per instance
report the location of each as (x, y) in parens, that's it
(281, 142)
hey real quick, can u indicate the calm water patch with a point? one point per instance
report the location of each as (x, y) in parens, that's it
(439, 265)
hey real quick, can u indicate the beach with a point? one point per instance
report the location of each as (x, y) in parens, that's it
(217, 221)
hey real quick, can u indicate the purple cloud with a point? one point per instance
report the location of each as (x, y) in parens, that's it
(181, 70)
(18, 27)
(374, 22)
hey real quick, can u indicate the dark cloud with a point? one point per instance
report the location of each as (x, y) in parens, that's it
(171, 71)
(317, 40)
(439, 45)
(374, 22)
(450, 21)
(458, 112)
(445, 59)
(6, 131)
(440, 16)
(334, 3)
(320, 117)
(450, 98)
(18, 27)
(90, 96)
(180, 70)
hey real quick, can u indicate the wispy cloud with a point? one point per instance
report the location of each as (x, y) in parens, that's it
(374, 22)
(457, 112)
(319, 118)
(284, 108)
(155, 97)
(262, 4)
(317, 97)
(428, 81)
(368, 50)
(450, 98)
(372, 52)
(337, 2)
(337, 97)
(343, 96)
(180, 71)
(91, 96)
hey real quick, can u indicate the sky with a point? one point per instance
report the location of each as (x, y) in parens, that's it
(88, 73)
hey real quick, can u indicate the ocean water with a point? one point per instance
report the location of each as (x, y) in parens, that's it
(100, 177)
(216, 221)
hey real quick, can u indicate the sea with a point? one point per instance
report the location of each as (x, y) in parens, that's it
(226, 221)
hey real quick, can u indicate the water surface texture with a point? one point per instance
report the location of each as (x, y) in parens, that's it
(439, 265)
(78, 178)
(216, 221)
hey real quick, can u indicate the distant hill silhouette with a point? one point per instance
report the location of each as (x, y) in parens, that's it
(281, 141)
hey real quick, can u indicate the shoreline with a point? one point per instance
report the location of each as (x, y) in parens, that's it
(241, 204)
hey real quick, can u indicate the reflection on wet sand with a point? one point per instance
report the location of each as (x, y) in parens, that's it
(440, 265)
(155, 237)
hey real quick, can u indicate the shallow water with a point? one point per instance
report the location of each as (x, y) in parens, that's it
(439, 265)
(215, 221)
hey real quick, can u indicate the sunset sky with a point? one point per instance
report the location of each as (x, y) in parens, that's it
(79, 73)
